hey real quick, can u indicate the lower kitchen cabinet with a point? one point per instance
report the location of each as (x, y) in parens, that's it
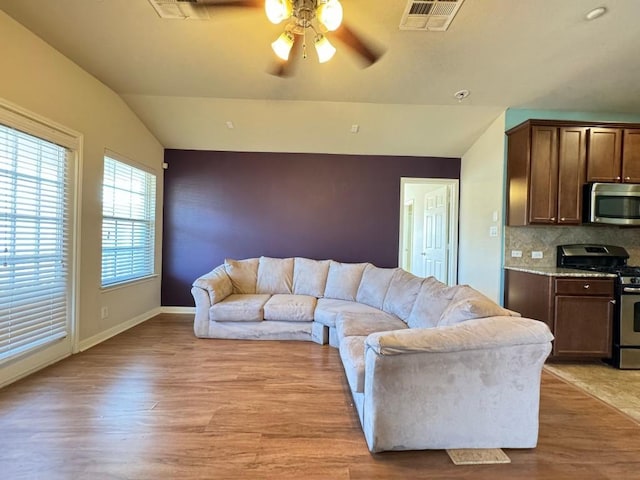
(578, 310)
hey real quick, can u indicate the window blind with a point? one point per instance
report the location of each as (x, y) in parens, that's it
(35, 233)
(128, 222)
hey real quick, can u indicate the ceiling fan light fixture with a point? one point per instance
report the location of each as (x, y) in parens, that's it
(330, 14)
(277, 10)
(325, 50)
(282, 45)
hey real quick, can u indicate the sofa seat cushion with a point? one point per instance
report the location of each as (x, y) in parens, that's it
(275, 275)
(310, 276)
(362, 324)
(352, 355)
(290, 308)
(343, 280)
(328, 309)
(239, 308)
(374, 285)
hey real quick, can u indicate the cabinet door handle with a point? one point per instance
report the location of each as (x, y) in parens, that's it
(613, 302)
(586, 286)
(562, 219)
(617, 178)
(553, 219)
(627, 178)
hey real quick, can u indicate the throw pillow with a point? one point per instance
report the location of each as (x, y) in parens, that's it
(275, 275)
(243, 274)
(343, 280)
(217, 283)
(433, 299)
(467, 303)
(374, 285)
(310, 276)
(402, 294)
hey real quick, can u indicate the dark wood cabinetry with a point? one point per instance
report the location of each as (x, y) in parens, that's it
(579, 311)
(614, 155)
(549, 161)
(545, 174)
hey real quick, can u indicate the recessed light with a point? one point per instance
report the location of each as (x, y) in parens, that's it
(595, 13)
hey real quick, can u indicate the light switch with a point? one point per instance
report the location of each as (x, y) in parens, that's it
(494, 216)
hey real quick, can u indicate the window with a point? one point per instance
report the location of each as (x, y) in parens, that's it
(35, 242)
(128, 222)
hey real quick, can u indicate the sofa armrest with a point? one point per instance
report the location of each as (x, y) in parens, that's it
(476, 334)
(208, 290)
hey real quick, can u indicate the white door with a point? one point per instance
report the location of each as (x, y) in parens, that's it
(407, 244)
(436, 234)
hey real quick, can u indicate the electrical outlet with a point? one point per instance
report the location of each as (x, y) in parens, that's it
(536, 254)
(516, 253)
(493, 231)
(104, 312)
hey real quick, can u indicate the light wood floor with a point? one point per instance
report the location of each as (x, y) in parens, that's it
(157, 403)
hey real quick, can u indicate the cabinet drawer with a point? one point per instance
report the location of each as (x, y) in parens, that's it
(584, 286)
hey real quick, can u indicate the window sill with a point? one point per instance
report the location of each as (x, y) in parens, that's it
(128, 283)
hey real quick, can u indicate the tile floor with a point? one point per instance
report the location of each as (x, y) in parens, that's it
(618, 388)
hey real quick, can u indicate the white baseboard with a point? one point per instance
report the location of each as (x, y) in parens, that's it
(113, 331)
(185, 310)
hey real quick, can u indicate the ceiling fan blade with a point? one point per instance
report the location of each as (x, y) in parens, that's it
(368, 52)
(212, 4)
(287, 68)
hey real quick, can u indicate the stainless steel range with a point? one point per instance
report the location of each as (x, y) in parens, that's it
(626, 324)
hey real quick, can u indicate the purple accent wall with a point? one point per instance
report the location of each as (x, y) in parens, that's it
(221, 205)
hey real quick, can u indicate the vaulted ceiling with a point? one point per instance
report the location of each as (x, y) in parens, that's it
(186, 79)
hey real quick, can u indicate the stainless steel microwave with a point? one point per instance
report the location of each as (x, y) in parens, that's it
(611, 203)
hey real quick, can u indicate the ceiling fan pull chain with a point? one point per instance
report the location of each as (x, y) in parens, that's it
(304, 43)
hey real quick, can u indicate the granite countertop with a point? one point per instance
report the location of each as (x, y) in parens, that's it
(561, 272)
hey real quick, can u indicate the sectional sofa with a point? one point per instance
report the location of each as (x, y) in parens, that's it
(429, 366)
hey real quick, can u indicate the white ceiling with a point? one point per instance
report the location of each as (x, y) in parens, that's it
(186, 78)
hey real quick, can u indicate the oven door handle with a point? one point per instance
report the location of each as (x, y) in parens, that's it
(631, 290)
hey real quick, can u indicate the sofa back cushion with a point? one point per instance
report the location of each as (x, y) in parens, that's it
(468, 303)
(343, 280)
(402, 294)
(243, 274)
(374, 285)
(310, 276)
(217, 283)
(275, 275)
(433, 299)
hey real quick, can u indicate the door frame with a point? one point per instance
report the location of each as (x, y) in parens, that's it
(454, 196)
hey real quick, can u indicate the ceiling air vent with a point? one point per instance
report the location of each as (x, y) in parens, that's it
(179, 9)
(431, 15)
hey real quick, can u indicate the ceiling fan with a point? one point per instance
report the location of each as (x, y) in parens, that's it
(303, 19)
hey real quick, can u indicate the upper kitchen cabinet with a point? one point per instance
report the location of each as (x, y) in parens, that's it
(613, 155)
(545, 173)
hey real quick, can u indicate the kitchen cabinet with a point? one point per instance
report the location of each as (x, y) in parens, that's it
(578, 310)
(545, 174)
(613, 155)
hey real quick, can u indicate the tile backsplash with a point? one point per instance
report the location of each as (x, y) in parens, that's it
(545, 239)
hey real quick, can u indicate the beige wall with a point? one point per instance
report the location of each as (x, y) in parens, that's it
(482, 187)
(39, 79)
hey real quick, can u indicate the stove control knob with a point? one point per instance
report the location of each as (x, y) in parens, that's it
(633, 280)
